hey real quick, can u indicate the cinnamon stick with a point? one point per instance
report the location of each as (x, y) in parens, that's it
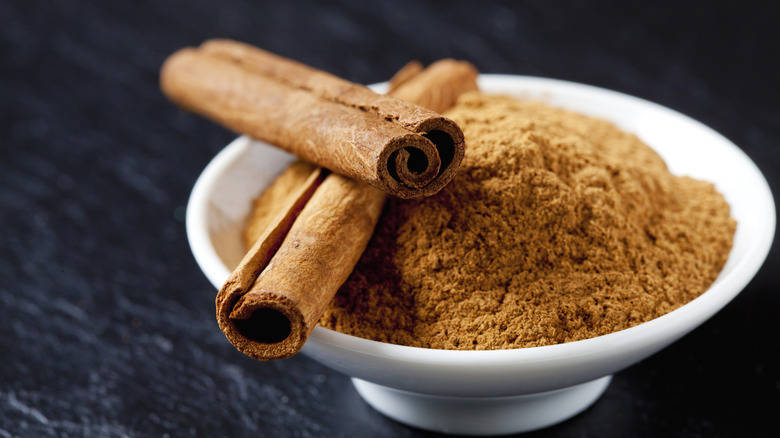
(397, 146)
(423, 90)
(410, 70)
(277, 294)
(274, 298)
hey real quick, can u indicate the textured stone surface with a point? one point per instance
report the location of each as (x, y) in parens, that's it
(106, 323)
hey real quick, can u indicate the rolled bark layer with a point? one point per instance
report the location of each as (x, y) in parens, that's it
(401, 148)
(282, 306)
(277, 294)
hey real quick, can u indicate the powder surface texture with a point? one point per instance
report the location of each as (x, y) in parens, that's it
(558, 227)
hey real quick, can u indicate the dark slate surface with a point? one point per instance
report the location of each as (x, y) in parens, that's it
(106, 322)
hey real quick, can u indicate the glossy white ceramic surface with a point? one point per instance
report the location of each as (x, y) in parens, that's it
(481, 416)
(222, 197)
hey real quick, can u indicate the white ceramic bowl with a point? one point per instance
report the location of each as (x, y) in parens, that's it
(504, 391)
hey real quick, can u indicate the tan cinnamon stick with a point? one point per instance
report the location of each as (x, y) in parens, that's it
(410, 70)
(461, 77)
(399, 147)
(274, 298)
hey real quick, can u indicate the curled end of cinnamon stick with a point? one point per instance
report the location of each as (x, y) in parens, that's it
(424, 87)
(411, 162)
(267, 327)
(420, 165)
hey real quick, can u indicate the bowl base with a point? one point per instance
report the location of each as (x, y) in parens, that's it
(482, 415)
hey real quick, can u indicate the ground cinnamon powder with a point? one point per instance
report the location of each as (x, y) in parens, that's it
(558, 227)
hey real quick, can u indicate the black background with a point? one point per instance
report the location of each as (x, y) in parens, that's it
(106, 323)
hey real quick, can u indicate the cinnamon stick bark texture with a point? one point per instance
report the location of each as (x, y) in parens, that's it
(404, 149)
(282, 307)
(274, 298)
(271, 327)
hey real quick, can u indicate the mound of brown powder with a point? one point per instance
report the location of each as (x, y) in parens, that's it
(558, 227)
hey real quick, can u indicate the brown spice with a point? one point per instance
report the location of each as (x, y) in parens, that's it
(558, 227)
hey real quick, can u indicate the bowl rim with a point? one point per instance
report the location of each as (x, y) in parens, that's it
(657, 331)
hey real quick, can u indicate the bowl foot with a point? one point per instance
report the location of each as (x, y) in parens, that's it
(482, 415)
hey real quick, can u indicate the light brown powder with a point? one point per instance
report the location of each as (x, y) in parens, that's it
(558, 227)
